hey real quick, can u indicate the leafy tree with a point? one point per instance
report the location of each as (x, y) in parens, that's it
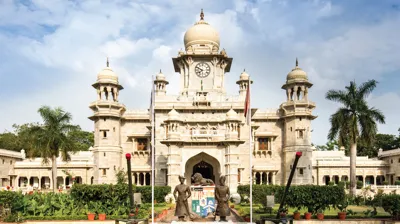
(354, 120)
(83, 139)
(330, 146)
(52, 137)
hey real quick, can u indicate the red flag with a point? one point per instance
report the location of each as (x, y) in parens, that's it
(247, 105)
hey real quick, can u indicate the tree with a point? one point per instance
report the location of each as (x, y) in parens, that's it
(52, 137)
(382, 141)
(354, 120)
(83, 139)
(330, 146)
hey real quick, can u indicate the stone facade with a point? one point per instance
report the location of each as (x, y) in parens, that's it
(203, 129)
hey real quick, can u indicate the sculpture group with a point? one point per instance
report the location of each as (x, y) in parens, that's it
(182, 194)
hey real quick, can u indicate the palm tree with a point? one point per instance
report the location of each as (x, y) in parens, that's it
(354, 120)
(52, 138)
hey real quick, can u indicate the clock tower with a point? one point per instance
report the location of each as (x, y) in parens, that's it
(202, 66)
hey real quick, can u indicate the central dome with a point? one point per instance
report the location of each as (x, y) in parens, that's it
(201, 34)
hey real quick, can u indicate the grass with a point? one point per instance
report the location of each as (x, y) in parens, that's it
(244, 210)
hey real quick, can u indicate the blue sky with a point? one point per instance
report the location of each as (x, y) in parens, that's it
(51, 51)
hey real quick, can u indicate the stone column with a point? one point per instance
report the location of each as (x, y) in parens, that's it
(273, 178)
(174, 166)
(268, 183)
(231, 166)
(261, 179)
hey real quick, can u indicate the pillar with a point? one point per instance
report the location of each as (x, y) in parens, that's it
(268, 183)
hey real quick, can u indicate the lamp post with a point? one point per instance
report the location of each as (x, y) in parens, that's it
(128, 162)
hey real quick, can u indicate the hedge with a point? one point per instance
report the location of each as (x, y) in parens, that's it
(104, 192)
(313, 197)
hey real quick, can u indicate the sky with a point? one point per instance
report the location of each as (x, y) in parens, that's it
(52, 51)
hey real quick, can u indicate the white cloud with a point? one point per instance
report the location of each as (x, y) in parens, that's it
(140, 38)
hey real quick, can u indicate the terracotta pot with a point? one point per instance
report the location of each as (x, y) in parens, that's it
(90, 216)
(320, 216)
(247, 219)
(342, 215)
(307, 215)
(296, 215)
(232, 206)
(102, 217)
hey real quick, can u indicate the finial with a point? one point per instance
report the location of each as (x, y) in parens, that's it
(201, 15)
(244, 70)
(160, 71)
(297, 62)
(108, 63)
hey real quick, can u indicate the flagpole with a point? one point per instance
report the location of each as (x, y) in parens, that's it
(152, 149)
(250, 154)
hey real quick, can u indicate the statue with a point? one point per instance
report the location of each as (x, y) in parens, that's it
(198, 179)
(182, 206)
(221, 195)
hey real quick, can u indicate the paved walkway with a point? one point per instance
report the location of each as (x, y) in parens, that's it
(171, 218)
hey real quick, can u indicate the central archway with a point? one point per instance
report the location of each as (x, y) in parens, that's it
(203, 163)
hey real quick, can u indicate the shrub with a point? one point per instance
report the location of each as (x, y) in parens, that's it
(397, 182)
(359, 184)
(104, 192)
(342, 184)
(385, 182)
(313, 197)
(13, 200)
(391, 204)
(331, 183)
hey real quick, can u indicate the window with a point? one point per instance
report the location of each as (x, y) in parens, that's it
(391, 161)
(104, 154)
(104, 134)
(263, 144)
(301, 133)
(399, 160)
(141, 144)
(238, 175)
(301, 171)
(10, 162)
(104, 172)
(4, 161)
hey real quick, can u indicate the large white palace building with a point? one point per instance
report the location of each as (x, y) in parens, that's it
(201, 130)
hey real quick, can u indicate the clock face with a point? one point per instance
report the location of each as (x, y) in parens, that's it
(202, 70)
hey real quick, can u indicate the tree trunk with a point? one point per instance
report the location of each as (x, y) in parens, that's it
(54, 171)
(353, 180)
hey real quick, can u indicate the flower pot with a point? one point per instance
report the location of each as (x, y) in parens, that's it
(232, 206)
(102, 217)
(247, 219)
(320, 216)
(342, 215)
(296, 215)
(90, 216)
(307, 215)
(283, 214)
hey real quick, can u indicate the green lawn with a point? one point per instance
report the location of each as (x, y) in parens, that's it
(245, 210)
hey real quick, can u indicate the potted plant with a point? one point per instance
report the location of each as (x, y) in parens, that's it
(101, 211)
(91, 215)
(232, 205)
(320, 214)
(296, 214)
(307, 215)
(283, 212)
(342, 210)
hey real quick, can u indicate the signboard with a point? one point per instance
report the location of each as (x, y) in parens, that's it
(203, 201)
(270, 201)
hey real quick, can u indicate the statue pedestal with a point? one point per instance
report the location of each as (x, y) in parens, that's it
(203, 201)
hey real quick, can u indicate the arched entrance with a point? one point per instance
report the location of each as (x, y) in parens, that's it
(208, 166)
(206, 170)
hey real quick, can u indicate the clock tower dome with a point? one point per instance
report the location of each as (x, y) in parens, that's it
(202, 66)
